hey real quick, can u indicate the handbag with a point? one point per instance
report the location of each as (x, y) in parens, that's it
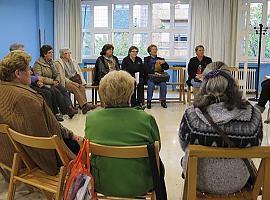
(249, 164)
(158, 179)
(76, 78)
(80, 182)
(158, 78)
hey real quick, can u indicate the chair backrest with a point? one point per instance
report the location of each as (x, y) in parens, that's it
(90, 74)
(198, 151)
(52, 143)
(180, 73)
(122, 151)
(6, 148)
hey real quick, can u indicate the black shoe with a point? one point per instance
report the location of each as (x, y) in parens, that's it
(59, 117)
(163, 104)
(148, 104)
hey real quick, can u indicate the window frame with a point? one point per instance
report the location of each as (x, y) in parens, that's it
(133, 30)
(244, 32)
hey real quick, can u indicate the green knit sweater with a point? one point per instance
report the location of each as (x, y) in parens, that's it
(121, 127)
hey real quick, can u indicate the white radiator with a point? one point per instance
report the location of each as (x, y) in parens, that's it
(250, 81)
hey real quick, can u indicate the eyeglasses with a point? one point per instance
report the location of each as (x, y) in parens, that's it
(134, 51)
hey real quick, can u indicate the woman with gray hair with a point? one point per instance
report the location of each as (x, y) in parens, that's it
(120, 125)
(72, 79)
(219, 102)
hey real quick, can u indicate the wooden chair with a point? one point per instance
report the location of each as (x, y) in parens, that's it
(124, 152)
(6, 150)
(180, 81)
(262, 179)
(35, 176)
(90, 75)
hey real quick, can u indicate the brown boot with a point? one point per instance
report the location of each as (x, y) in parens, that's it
(86, 107)
(72, 112)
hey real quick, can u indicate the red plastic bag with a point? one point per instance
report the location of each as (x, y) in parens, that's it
(78, 167)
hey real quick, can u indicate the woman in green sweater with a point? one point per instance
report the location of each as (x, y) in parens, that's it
(120, 125)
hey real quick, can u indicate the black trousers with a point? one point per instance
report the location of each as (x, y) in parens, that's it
(265, 93)
(49, 96)
(138, 94)
(62, 98)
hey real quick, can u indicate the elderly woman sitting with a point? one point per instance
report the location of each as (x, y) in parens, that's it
(25, 111)
(119, 124)
(72, 79)
(220, 98)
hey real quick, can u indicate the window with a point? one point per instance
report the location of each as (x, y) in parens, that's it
(121, 16)
(253, 13)
(140, 40)
(140, 16)
(121, 44)
(100, 40)
(101, 16)
(139, 23)
(161, 16)
(181, 15)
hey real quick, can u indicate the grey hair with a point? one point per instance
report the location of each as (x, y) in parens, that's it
(222, 88)
(62, 51)
(16, 46)
(214, 66)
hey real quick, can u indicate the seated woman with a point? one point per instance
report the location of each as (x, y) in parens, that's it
(37, 84)
(196, 67)
(133, 64)
(25, 111)
(237, 117)
(150, 62)
(264, 96)
(105, 63)
(45, 68)
(119, 124)
(72, 79)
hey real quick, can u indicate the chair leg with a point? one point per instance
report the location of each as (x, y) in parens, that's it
(60, 189)
(5, 174)
(14, 172)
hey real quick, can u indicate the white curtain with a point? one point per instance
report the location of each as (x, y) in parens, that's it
(214, 25)
(67, 27)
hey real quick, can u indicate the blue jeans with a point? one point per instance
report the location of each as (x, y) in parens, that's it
(151, 87)
(196, 84)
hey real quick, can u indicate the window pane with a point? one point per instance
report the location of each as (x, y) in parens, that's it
(255, 14)
(121, 44)
(85, 17)
(180, 45)
(162, 40)
(100, 40)
(121, 16)
(161, 16)
(101, 16)
(253, 44)
(86, 43)
(243, 19)
(243, 46)
(181, 15)
(140, 40)
(140, 15)
(267, 36)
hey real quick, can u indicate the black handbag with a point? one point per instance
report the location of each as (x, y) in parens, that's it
(76, 78)
(158, 78)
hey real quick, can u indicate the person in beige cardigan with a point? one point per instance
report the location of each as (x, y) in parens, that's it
(25, 111)
(68, 68)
